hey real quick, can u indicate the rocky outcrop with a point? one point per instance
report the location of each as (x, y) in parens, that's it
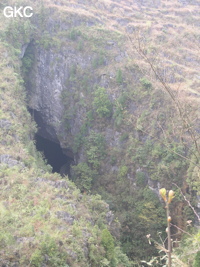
(53, 75)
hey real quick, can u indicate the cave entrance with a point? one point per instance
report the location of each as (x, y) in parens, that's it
(54, 155)
(51, 150)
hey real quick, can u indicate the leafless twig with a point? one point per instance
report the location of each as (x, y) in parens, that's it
(188, 202)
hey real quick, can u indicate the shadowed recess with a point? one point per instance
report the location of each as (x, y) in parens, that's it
(53, 154)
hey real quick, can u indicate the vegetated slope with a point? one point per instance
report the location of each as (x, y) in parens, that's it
(44, 221)
(125, 131)
(170, 30)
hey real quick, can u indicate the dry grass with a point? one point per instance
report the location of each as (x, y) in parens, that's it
(172, 23)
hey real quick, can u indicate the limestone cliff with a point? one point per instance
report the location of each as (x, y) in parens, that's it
(101, 80)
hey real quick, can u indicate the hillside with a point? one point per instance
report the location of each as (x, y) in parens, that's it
(115, 86)
(169, 30)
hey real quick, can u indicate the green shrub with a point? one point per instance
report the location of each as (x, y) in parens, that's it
(37, 258)
(74, 34)
(119, 78)
(118, 116)
(108, 243)
(101, 103)
(146, 83)
(56, 257)
(121, 258)
(197, 260)
(124, 136)
(140, 179)
(123, 171)
(80, 45)
(83, 176)
(27, 60)
(98, 61)
(95, 145)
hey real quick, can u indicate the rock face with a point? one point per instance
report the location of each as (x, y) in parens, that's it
(45, 93)
(8, 160)
(48, 81)
(52, 77)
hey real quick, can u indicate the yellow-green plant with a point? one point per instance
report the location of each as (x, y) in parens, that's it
(168, 199)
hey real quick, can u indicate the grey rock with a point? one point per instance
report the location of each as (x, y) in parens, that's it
(6, 124)
(23, 50)
(8, 160)
(24, 239)
(154, 186)
(65, 216)
(123, 22)
(56, 184)
(112, 43)
(109, 217)
(72, 254)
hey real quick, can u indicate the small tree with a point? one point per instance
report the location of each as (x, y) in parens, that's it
(101, 103)
(108, 243)
(83, 176)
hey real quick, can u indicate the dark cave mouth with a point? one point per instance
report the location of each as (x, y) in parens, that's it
(54, 155)
(52, 151)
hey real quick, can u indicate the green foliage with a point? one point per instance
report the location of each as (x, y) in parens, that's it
(48, 248)
(86, 173)
(45, 40)
(197, 260)
(146, 83)
(101, 103)
(80, 137)
(189, 249)
(120, 107)
(122, 100)
(194, 173)
(138, 209)
(119, 77)
(121, 258)
(118, 116)
(73, 71)
(83, 176)
(141, 120)
(98, 61)
(113, 159)
(90, 116)
(94, 255)
(74, 34)
(95, 144)
(80, 45)
(124, 136)
(27, 60)
(150, 196)
(18, 31)
(123, 171)
(170, 165)
(140, 179)
(37, 258)
(108, 243)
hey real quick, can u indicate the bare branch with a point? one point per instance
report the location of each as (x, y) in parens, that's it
(180, 229)
(188, 202)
